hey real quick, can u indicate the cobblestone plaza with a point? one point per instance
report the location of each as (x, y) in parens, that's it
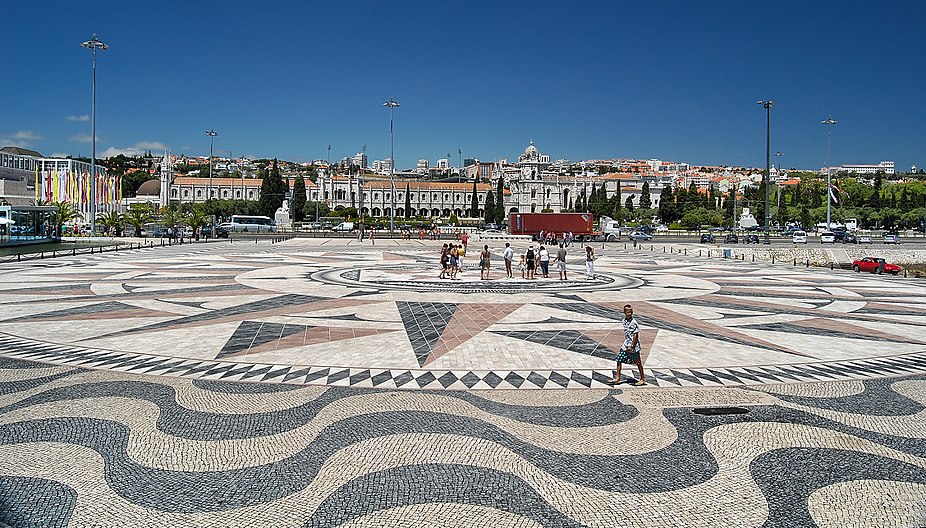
(320, 382)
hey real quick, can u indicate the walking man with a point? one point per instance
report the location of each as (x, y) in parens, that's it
(630, 350)
(508, 255)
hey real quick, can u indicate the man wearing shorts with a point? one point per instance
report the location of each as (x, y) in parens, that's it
(630, 350)
(561, 261)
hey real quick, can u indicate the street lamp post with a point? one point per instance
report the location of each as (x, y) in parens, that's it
(391, 104)
(768, 105)
(93, 45)
(211, 134)
(778, 155)
(829, 122)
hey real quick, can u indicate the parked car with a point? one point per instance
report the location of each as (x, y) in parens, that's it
(850, 239)
(707, 238)
(639, 235)
(220, 232)
(752, 239)
(864, 238)
(875, 265)
(891, 238)
(160, 232)
(799, 237)
(827, 237)
(731, 239)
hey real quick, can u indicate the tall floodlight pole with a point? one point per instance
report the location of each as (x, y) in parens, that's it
(778, 155)
(318, 197)
(93, 45)
(829, 122)
(768, 105)
(391, 104)
(211, 134)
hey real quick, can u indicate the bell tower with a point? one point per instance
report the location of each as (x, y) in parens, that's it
(167, 173)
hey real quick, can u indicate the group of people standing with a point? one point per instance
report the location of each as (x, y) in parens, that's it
(549, 237)
(533, 259)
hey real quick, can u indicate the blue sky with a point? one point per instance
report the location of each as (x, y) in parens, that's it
(669, 80)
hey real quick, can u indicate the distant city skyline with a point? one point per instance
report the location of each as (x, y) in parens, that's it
(673, 81)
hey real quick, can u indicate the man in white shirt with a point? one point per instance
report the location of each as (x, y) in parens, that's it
(508, 255)
(544, 262)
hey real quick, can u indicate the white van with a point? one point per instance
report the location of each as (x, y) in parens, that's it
(344, 227)
(799, 237)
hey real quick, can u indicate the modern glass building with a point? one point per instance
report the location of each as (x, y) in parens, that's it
(27, 224)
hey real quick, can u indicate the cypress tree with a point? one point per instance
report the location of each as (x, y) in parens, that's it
(474, 207)
(500, 212)
(299, 198)
(272, 191)
(667, 209)
(593, 200)
(644, 196)
(408, 201)
(490, 208)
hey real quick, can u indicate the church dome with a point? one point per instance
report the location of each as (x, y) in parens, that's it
(530, 152)
(149, 188)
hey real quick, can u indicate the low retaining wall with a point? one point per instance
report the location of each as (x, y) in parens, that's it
(838, 256)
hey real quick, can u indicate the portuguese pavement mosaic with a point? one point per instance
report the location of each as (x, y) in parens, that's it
(320, 383)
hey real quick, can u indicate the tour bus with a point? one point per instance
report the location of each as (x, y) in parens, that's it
(252, 224)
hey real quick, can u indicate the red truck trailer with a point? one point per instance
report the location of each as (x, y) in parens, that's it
(581, 225)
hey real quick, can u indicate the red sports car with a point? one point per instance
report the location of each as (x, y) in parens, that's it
(875, 265)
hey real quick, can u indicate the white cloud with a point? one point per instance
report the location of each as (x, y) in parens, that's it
(81, 118)
(151, 145)
(20, 138)
(82, 138)
(27, 135)
(138, 149)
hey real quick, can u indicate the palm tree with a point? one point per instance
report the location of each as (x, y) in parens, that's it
(172, 218)
(66, 211)
(137, 216)
(111, 220)
(196, 218)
